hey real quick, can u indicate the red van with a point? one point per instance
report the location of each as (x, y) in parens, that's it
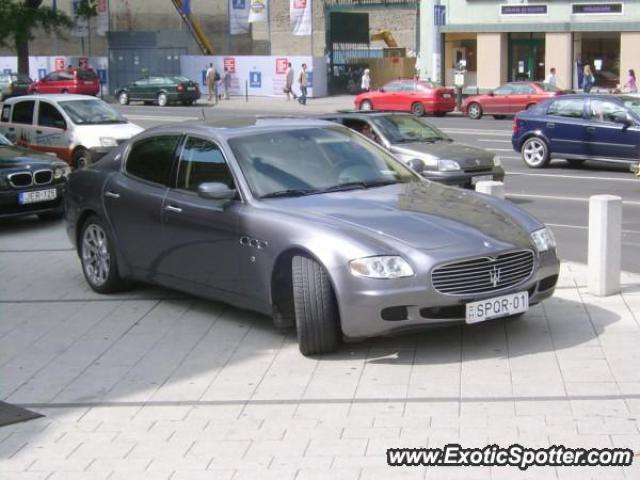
(73, 80)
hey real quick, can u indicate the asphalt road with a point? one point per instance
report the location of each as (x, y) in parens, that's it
(558, 195)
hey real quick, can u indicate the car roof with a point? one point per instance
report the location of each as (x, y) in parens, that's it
(54, 97)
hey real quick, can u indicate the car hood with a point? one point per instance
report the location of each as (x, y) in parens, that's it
(14, 156)
(422, 215)
(467, 156)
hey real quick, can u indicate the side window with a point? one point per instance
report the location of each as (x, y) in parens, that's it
(87, 75)
(151, 159)
(202, 162)
(52, 77)
(572, 108)
(604, 111)
(392, 87)
(6, 113)
(504, 90)
(523, 90)
(362, 127)
(64, 75)
(23, 112)
(49, 116)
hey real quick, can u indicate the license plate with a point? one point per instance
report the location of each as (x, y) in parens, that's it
(497, 307)
(37, 196)
(88, 83)
(191, 89)
(481, 178)
(446, 95)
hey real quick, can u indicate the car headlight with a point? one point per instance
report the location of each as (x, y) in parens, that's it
(108, 142)
(61, 171)
(544, 239)
(448, 165)
(497, 161)
(390, 266)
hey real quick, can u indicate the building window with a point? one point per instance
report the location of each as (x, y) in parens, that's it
(601, 51)
(526, 56)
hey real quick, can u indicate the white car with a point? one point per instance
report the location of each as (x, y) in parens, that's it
(77, 128)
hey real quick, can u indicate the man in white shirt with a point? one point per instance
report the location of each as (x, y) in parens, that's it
(551, 78)
(211, 83)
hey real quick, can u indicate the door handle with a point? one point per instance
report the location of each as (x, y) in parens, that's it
(111, 194)
(11, 129)
(551, 125)
(171, 208)
(591, 129)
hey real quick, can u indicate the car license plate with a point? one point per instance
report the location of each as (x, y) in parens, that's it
(446, 95)
(37, 196)
(481, 178)
(191, 89)
(497, 307)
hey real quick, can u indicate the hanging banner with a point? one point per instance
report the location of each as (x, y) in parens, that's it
(80, 24)
(300, 17)
(238, 17)
(102, 20)
(259, 11)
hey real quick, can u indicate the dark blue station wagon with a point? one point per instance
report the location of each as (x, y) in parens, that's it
(579, 128)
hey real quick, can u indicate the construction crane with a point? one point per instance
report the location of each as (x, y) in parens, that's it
(191, 21)
(387, 37)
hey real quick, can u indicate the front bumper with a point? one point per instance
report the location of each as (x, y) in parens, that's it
(464, 179)
(10, 208)
(362, 307)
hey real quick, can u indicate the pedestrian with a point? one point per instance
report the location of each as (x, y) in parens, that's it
(631, 86)
(288, 86)
(552, 79)
(588, 79)
(365, 83)
(211, 82)
(302, 80)
(226, 82)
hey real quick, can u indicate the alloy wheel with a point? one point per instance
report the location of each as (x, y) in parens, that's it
(96, 259)
(123, 98)
(534, 153)
(162, 99)
(474, 111)
(366, 105)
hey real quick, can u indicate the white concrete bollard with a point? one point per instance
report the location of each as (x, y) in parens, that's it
(495, 189)
(605, 244)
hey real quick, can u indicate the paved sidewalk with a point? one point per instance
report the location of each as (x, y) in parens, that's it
(152, 384)
(281, 105)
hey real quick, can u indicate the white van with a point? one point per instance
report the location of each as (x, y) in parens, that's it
(77, 128)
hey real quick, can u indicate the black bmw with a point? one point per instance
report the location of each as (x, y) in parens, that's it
(30, 183)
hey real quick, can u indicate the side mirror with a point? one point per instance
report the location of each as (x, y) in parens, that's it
(381, 90)
(490, 93)
(216, 191)
(416, 165)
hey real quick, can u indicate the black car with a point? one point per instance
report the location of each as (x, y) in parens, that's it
(160, 90)
(423, 147)
(30, 183)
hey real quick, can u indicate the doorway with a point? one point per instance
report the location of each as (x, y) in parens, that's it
(526, 57)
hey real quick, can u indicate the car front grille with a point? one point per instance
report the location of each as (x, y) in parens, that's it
(483, 274)
(42, 177)
(20, 179)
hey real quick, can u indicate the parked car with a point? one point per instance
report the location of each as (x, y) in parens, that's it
(423, 147)
(508, 99)
(306, 221)
(77, 128)
(30, 182)
(413, 96)
(579, 128)
(161, 90)
(73, 80)
(14, 85)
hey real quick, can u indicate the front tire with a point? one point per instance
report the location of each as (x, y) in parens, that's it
(163, 100)
(81, 158)
(316, 311)
(366, 105)
(474, 111)
(417, 109)
(535, 153)
(98, 258)
(123, 98)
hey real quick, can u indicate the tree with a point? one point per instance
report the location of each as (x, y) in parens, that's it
(20, 18)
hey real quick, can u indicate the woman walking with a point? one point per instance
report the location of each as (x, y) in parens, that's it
(631, 86)
(587, 79)
(365, 83)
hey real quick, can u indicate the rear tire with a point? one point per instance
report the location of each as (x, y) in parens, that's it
(366, 105)
(417, 109)
(81, 158)
(316, 311)
(162, 100)
(535, 153)
(97, 255)
(123, 98)
(474, 111)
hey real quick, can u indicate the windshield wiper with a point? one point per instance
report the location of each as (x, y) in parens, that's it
(357, 185)
(289, 193)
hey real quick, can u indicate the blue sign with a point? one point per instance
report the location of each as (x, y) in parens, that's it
(439, 15)
(309, 78)
(255, 79)
(102, 75)
(239, 4)
(42, 72)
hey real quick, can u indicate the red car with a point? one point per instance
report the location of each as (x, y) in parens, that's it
(73, 80)
(508, 99)
(412, 96)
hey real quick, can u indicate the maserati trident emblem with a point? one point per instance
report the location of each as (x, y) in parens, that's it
(494, 276)
(487, 244)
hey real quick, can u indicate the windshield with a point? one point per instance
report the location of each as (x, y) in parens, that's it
(315, 160)
(4, 142)
(632, 103)
(408, 129)
(91, 112)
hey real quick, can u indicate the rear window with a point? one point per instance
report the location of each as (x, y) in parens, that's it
(23, 112)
